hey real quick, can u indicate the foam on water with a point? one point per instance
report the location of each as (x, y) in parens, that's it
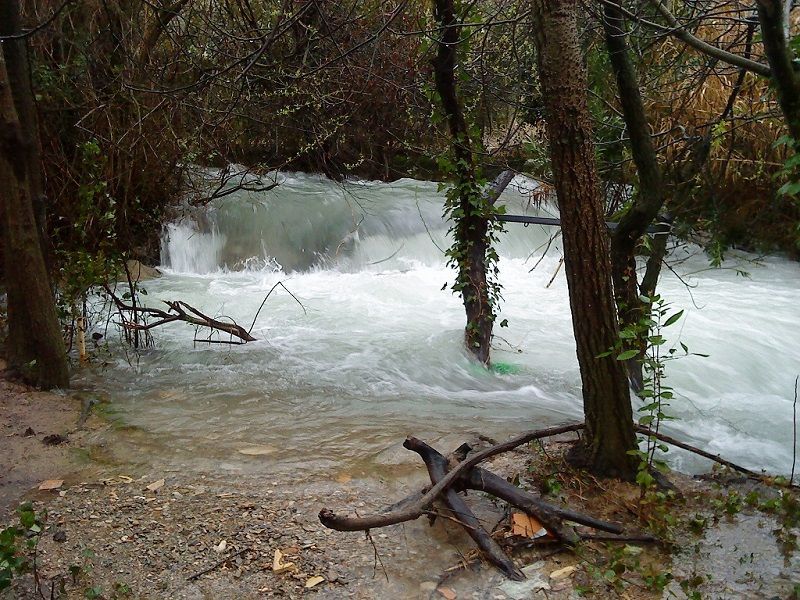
(379, 353)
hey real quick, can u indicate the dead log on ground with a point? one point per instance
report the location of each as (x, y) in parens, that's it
(459, 472)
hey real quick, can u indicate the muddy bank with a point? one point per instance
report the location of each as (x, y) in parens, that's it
(128, 524)
(43, 436)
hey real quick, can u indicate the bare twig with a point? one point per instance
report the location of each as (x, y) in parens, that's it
(794, 431)
(218, 564)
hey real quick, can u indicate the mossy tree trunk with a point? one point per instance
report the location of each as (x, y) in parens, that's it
(609, 432)
(649, 198)
(35, 347)
(18, 69)
(470, 208)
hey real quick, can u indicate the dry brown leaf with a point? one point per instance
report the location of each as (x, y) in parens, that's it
(278, 566)
(312, 581)
(343, 478)
(526, 526)
(448, 593)
(562, 573)
(51, 484)
(156, 485)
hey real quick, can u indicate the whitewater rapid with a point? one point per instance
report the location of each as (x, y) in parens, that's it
(375, 351)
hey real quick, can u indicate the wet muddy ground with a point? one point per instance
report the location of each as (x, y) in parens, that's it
(124, 524)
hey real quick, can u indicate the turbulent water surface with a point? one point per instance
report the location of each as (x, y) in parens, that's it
(377, 353)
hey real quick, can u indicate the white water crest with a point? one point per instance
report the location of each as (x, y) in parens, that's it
(378, 354)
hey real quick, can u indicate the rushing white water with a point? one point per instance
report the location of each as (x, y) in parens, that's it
(379, 353)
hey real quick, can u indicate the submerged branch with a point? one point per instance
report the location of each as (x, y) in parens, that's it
(177, 312)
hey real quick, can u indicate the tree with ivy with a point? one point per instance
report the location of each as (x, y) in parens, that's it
(471, 210)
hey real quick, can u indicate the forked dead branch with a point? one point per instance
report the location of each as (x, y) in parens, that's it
(179, 310)
(458, 472)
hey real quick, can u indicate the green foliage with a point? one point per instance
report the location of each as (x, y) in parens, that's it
(18, 545)
(625, 562)
(656, 394)
(94, 258)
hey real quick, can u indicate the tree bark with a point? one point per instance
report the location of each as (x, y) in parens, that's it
(471, 228)
(18, 69)
(771, 14)
(35, 347)
(651, 194)
(606, 399)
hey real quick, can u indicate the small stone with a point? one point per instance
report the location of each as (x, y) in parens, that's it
(60, 536)
(427, 586)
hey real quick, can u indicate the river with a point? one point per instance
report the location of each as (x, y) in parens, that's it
(375, 352)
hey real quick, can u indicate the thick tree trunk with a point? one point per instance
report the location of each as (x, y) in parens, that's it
(771, 15)
(35, 347)
(651, 194)
(562, 75)
(18, 69)
(471, 229)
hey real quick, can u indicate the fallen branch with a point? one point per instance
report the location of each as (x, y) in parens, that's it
(177, 312)
(679, 444)
(437, 469)
(415, 510)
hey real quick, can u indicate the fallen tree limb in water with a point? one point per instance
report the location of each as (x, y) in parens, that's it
(437, 469)
(178, 311)
(459, 472)
(416, 509)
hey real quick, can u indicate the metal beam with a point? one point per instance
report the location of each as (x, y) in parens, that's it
(530, 220)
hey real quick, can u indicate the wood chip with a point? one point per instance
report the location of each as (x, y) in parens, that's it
(448, 593)
(257, 450)
(156, 485)
(562, 573)
(312, 581)
(278, 566)
(51, 484)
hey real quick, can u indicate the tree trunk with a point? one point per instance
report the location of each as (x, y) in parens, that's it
(35, 347)
(471, 217)
(650, 197)
(18, 69)
(771, 15)
(606, 400)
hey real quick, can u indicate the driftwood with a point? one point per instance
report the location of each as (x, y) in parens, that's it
(178, 311)
(417, 508)
(459, 472)
(437, 469)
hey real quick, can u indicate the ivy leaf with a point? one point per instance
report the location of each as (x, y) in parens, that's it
(628, 354)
